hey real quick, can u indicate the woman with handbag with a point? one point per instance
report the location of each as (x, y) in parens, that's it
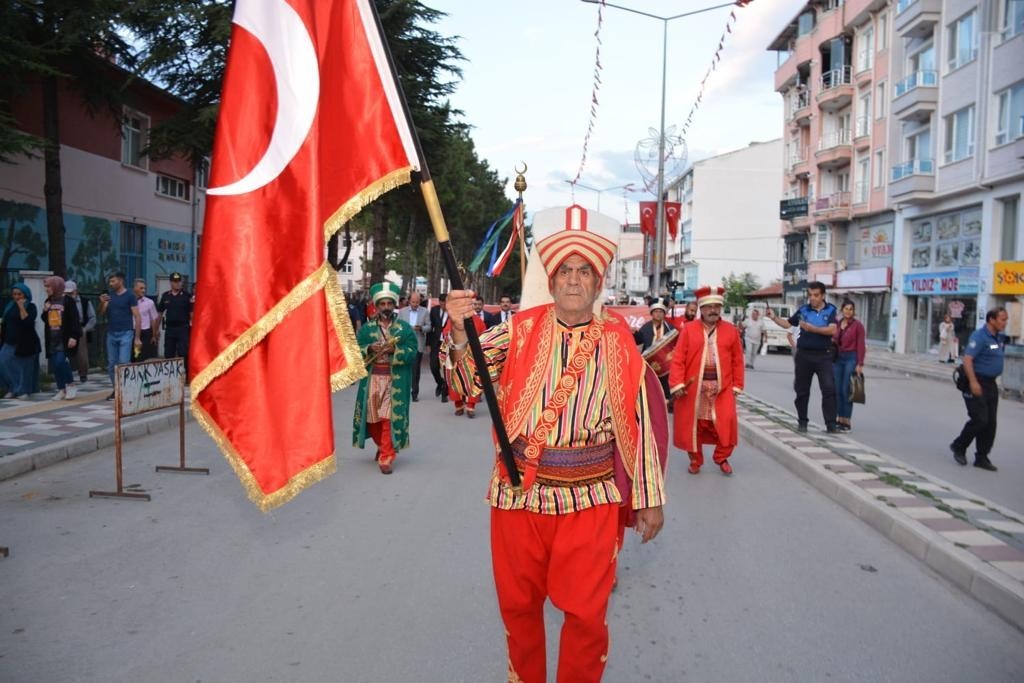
(849, 341)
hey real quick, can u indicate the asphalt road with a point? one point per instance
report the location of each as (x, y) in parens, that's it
(913, 419)
(366, 578)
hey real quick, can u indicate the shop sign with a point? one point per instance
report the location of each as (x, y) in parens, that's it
(963, 281)
(864, 277)
(1008, 277)
(875, 243)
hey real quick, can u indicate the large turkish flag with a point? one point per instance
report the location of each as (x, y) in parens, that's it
(311, 129)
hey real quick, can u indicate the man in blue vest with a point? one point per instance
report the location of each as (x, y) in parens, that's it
(817, 322)
(983, 363)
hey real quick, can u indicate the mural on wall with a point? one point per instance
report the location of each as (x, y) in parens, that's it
(90, 242)
(22, 244)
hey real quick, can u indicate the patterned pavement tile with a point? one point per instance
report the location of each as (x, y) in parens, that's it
(972, 538)
(924, 513)
(962, 503)
(947, 525)
(857, 476)
(1014, 569)
(998, 553)
(1004, 525)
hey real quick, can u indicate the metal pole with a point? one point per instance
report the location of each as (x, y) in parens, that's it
(659, 239)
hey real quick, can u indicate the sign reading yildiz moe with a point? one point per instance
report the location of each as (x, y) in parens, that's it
(150, 385)
(962, 281)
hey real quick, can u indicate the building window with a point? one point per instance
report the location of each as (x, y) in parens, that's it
(863, 115)
(1013, 18)
(133, 250)
(865, 53)
(880, 101)
(1011, 227)
(879, 168)
(805, 24)
(963, 41)
(822, 243)
(1010, 122)
(860, 188)
(960, 135)
(133, 139)
(796, 251)
(171, 187)
(883, 31)
(203, 173)
(946, 241)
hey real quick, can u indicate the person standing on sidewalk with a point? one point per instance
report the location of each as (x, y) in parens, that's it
(175, 308)
(983, 363)
(150, 326)
(382, 404)
(19, 344)
(418, 318)
(753, 335)
(949, 345)
(851, 349)
(817, 322)
(124, 324)
(571, 387)
(61, 331)
(87, 317)
(706, 374)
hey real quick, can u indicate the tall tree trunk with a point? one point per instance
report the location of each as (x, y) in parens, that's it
(433, 268)
(409, 267)
(378, 262)
(52, 188)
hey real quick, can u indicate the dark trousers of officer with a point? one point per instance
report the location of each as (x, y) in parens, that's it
(808, 363)
(176, 343)
(416, 374)
(435, 370)
(981, 420)
(148, 350)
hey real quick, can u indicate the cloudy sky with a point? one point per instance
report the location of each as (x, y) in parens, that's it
(528, 77)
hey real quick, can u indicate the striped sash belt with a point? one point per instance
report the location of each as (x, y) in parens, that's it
(569, 466)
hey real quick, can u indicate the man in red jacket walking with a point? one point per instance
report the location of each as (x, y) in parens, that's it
(706, 374)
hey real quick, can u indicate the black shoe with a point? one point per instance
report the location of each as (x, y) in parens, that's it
(83, 380)
(958, 455)
(111, 397)
(437, 391)
(415, 399)
(986, 464)
(801, 427)
(833, 429)
(444, 398)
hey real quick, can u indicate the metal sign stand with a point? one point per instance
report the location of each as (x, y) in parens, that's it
(181, 447)
(118, 469)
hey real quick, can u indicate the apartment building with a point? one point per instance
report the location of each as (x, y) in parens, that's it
(122, 210)
(719, 235)
(956, 137)
(838, 228)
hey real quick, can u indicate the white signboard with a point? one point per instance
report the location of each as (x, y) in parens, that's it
(150, 385)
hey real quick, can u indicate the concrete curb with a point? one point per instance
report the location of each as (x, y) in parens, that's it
(50, 454)
(986, 584)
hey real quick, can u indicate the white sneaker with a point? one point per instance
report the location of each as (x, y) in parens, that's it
(59, 396)
(70, 391)
(9, 394)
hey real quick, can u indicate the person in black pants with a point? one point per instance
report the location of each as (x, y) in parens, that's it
(438, 318)
(175, 306)
(817, 322)
(983, 363)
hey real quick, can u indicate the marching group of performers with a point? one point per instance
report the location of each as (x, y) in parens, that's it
(587, 418)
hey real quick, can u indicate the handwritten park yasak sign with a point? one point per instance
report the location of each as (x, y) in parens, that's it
(150, 385)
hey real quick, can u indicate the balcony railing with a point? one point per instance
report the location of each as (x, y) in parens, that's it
(860, 192)
(863, 126)
(836, 200)
(797, 157)
(902, 5)
(915, 80)
(834, 139)
(834, 78)
(913, 167)
(798, 101)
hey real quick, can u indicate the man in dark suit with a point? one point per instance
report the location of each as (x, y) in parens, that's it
(503, 315)
(438, 318)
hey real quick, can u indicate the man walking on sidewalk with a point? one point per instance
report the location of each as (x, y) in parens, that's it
(753, 333)
(124, 324)
(817, 323)
(983, 363)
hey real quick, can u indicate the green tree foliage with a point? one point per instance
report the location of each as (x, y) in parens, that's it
(18, 237)
(737, 287)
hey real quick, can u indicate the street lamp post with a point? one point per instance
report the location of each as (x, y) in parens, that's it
(659, 239)
(627, 186)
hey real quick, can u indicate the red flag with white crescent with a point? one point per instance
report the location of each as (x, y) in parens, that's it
(648, 223)
(672, 210)
(311, 129)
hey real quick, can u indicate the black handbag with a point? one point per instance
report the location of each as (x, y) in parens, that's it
(857, 394)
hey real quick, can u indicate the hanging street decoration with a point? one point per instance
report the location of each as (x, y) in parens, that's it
(593, 93)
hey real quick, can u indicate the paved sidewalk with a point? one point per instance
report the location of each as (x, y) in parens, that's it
(922, 365)
(39, 431)
(974, 543)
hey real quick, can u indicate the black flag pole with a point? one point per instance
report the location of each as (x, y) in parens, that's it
(433, 205)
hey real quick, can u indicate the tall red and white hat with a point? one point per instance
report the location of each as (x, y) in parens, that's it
(710, 295)
(554, 249)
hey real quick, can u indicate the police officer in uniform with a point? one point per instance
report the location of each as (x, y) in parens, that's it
(983, 363)
(176, 308)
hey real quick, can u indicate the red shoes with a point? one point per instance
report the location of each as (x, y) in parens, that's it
(726, 467)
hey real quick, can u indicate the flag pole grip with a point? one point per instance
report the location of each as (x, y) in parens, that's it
(455, 278)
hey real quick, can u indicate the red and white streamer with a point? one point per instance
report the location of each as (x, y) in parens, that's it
(593, 93)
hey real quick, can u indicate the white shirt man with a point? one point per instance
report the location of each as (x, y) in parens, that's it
(753, 332)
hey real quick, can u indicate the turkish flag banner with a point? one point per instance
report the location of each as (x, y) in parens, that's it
(311, 129)
(648, 225)
(672, 210)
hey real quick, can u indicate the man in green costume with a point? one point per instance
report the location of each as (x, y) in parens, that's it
(382, 405)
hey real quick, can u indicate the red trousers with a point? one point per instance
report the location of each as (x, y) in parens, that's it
(569, 558)
(380, 432)
(461, 401)
(706, 434)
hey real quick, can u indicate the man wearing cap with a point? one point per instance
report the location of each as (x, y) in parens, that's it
(175, 306)
(86, 314)
(573, 395)
(389, 348)
(652, 332)
(706, 375)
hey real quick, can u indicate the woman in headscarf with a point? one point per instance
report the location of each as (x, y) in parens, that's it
(61, 330)
(19, 344)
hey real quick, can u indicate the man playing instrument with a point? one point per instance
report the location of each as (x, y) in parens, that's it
(652, 333)
(389, 348)
(706, 374)
(572, 392)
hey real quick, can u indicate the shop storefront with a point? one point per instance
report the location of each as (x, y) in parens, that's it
(869, 290)
(1008, 289)
(932, 296)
